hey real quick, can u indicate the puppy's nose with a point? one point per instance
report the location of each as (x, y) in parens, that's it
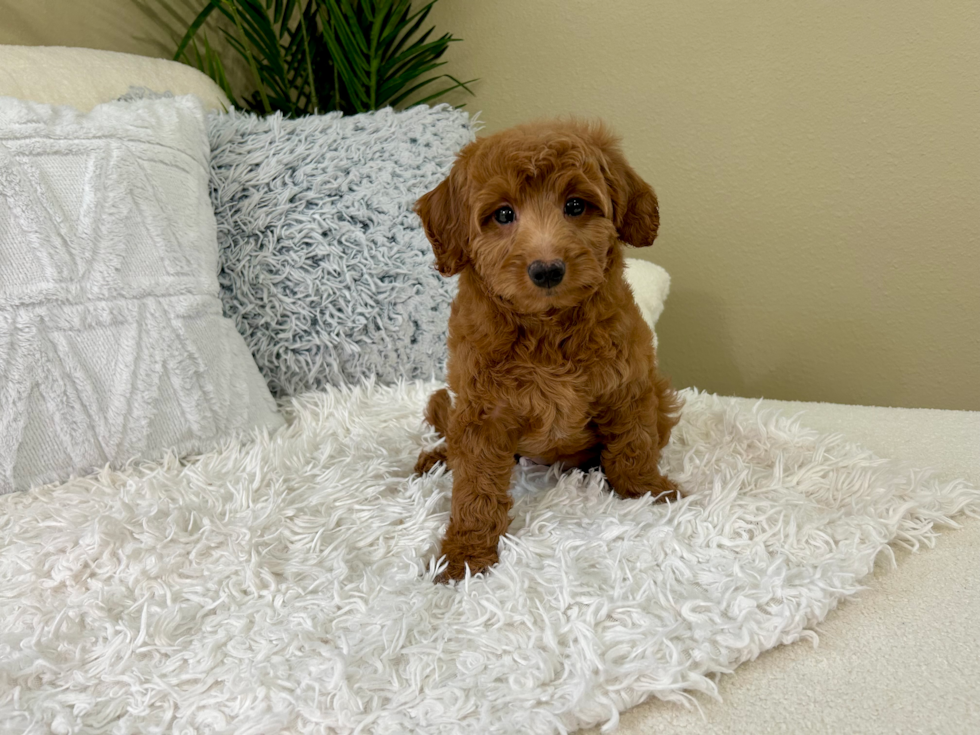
(546, 275)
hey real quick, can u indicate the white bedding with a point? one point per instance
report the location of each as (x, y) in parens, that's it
(287, 584)
(901, 656)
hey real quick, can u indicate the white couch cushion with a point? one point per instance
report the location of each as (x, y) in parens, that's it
(84, 78)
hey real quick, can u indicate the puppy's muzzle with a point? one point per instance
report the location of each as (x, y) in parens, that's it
(546, 275)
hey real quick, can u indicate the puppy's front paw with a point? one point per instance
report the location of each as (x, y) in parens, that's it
(429, 459)
(457, 569)
(459, 556)
(662, 489)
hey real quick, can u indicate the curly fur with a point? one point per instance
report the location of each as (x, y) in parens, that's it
(565, 374)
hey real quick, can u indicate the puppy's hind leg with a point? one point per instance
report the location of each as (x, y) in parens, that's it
(437, 416)
(634, 430)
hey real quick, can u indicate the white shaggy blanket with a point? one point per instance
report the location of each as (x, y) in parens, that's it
(285, 585)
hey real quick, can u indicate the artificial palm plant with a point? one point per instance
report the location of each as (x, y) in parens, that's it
(306, 56)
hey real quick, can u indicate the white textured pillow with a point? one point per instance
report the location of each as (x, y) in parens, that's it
(112, 340)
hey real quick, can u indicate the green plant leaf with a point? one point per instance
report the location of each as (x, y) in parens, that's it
(306, 57)
(282, 11)
(250, 57)
(397, 19)
(434, 49)
(349, 69)
(392, 86)
(194, 27)
(258, 31)
(441, 92)
(349, 29)
(408, 92)
(416, 20)
(312, 55)
(216, 69)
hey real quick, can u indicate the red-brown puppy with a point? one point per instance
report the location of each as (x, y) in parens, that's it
(549, 356)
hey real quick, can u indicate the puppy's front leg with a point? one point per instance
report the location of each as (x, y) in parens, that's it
(629, 428)
(481, 446)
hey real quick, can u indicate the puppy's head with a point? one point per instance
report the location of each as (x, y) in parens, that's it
(536, 212)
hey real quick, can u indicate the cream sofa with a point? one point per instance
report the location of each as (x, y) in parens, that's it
(903, 657)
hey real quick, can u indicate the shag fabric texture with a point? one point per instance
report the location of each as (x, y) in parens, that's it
(112, 340)
(324, 266)
(285, 585)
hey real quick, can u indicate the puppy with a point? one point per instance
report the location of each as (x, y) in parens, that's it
(549, 356)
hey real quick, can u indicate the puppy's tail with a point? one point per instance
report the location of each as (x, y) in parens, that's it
(669, 406)
(437, 412)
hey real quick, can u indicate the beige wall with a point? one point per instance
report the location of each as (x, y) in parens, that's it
(818, 166)
(129, 26)
(112, 25)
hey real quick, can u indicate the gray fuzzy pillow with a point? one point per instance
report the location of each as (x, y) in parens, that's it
(324, 267)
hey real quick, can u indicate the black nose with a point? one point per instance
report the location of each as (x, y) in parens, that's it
(546, 275)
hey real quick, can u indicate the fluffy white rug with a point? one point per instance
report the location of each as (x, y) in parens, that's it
(285, 585)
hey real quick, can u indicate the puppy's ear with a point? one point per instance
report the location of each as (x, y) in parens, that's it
(636, 213)
(444, 217)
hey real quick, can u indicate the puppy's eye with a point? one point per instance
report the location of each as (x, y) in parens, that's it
(574, 207)
(504, 215)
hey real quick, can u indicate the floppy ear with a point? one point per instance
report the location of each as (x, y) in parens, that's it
(444, 217)
(635, 210)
